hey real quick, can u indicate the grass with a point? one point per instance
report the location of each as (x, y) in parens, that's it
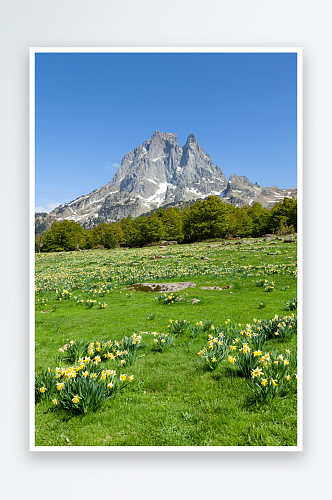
(174, 400)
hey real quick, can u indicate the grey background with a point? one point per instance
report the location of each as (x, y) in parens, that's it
(25, 23)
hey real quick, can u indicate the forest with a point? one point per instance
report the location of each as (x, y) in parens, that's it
(206, 219)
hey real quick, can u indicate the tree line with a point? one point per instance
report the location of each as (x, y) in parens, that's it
(206, 219)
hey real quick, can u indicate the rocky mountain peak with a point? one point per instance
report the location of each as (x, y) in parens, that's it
(191, 139)
(158, 173)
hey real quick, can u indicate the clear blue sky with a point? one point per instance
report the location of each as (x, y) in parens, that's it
(92, 109)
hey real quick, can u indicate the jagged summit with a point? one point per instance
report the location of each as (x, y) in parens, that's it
(191, 139)
(160, 171)
(156, 173)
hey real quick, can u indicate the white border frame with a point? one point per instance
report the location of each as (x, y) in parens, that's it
(32, 52)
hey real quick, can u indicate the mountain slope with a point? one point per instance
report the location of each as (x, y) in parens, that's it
(159, 172)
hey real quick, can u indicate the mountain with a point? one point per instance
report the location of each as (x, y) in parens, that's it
(240, 191)
(161, 172)
(158, 173)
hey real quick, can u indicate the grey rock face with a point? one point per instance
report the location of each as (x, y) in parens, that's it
(162, 287)
(160, 171)
(226, 287)
(240, 191)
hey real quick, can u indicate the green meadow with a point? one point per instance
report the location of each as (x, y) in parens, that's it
(225, 374)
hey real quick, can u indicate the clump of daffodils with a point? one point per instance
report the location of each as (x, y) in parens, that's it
(169, 298)
(178, 326)
(163, 340)
(216, 350)
(126, 349)
(274, 376)
(81, 388)
(102, 305)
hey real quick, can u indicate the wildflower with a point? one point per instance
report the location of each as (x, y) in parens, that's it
(288, 377)
(76, 399)
(257, 371)
(213, 360)
(55, 401)
(232, 347)
(274, 382)
(43, 389)
(264, 382)
(131, 378)
(123, 361)
(59, 385)
(110, 385)
(231, 359)
(123, 377)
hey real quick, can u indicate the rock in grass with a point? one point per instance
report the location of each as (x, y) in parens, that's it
(226, 287)
(161, 287)
(195, 301)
